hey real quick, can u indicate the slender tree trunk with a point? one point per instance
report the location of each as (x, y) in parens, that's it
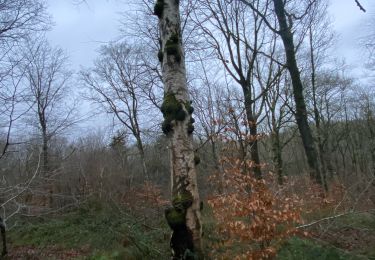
(301, 112)
(241, 145)
(254, 150)
(144, 166)
(143, 157)
(370, 126)
(252, 121)
(217, 167)
(184, 216)
(317, 115)
(45, 163)
(277, 156)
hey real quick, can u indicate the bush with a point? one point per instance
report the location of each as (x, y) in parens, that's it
(253, 219)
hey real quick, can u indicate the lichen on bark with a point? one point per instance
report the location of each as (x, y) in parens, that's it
(178, 125)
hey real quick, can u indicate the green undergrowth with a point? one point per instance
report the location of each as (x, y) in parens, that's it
(101, 232)
(351, 236)
(358, 220)
(305, 249)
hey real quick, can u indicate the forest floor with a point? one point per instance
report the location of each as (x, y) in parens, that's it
(108, 232)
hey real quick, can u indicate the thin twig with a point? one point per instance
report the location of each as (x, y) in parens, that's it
(26, 186)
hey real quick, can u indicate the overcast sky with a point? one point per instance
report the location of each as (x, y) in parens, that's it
(81, 29)
(351, 24)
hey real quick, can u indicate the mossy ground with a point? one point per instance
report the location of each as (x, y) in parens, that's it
(93, 233)
(107, 232)
(304, 249)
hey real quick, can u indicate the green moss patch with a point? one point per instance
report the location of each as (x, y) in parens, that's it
(182, 200)
(172, 109)
(176, 217)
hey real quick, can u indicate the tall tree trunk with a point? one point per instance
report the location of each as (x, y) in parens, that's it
(143, 157)
(45, 163)
(316, 114)
(217, 167)
(370, 126)
(277, 155)
(301, 112)
(254, 150)
(252, 121)
(184, 216)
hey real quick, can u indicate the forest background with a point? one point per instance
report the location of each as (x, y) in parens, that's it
(84, 147)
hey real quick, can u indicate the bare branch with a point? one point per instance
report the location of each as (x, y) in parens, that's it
(330, 218)
(27, 185)
(263, 16)
(360, 6)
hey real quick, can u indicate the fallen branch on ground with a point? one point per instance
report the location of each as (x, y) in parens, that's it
(331, 217)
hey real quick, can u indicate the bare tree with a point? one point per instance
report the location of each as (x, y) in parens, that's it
(48, 79)
(285, 23)
(368, 41)
(301, 114)
(11, 97)
(320, 39)
(119, 83)
(18, 19)
(238, 38)
(279, 116)
(184, 216)
(207, 99)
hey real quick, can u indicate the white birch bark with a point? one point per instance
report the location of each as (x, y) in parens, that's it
(182, 164)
